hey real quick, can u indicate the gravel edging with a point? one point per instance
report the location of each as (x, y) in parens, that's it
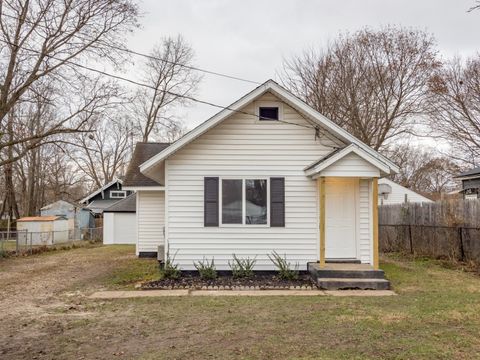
(257, 282)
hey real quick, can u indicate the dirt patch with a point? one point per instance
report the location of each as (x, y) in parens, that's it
(258, 281)
(33, 299)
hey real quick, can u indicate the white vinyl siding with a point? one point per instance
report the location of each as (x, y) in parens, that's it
(397, 196)
(364, 221)
(150, 220)
(119, 228)
(243, 147)
(351, 165)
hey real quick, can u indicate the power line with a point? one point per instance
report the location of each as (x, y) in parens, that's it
(134, 82)
(129, 51)
(153, 88)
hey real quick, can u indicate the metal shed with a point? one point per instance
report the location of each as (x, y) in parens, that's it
(43, 230)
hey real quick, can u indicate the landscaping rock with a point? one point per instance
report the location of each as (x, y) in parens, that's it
(256, 282)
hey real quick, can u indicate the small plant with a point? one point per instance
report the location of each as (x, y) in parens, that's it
(242, 268)
(206, 269)
(170, 269)
(284, 267)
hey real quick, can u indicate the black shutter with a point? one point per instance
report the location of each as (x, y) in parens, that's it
(210, 198)
(277, 202)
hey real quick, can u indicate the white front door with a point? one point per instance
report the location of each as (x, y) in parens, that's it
(340, 218)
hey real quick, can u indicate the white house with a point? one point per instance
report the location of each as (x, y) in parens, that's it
(389, 193)
(268, 173)
(120, 222)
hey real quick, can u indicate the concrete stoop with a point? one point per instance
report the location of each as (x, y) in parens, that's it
(337, 276)
(353, 283)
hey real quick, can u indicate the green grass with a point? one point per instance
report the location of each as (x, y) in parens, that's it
(436, 315)
(132, 271)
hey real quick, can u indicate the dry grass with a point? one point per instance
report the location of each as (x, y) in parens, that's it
(47, 316)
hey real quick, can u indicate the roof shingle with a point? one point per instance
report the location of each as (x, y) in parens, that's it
(474, 171)
(143, 151)
(129, 204)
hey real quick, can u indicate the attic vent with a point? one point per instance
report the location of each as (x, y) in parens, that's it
(268, 113)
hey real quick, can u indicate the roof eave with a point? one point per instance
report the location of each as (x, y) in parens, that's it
(98, 191)
(286, 96)
(322, 165)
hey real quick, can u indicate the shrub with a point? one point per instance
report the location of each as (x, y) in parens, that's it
(284, 268)
(170, 269)
(206, 269)
(242, 268)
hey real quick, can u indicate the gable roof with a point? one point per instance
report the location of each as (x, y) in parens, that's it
(338, 154)
(143, 152)
(471, 172)
(98, 191)
(129, 204)
(60, 203)
(288, 98)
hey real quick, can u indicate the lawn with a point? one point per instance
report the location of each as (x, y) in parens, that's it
(435, 315)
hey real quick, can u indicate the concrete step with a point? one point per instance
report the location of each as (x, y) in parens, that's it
(348, 274)
(353, 283)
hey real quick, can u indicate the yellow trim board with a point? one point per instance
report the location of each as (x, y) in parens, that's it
(375, 222)
(321, 188)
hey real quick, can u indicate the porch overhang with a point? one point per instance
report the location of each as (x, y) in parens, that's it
(350, 161)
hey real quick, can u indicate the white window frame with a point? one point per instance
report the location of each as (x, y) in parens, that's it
(220, 202)
(259, 104)
(123, 192)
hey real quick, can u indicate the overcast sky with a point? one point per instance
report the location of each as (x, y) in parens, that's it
(250, 38)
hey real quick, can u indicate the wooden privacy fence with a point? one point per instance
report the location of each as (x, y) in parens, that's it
(442, 230)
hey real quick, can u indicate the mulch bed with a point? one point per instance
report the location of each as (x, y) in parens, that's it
(257, 282)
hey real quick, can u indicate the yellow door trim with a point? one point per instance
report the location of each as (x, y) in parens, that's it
(375, 222)
(321, 191)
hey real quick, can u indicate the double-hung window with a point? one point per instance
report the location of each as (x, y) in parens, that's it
(244, 201)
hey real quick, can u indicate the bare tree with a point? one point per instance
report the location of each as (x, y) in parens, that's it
(103, 153)
(424, 170)
(170, 77)
(372, 83)
(40, 39)
(455, 104)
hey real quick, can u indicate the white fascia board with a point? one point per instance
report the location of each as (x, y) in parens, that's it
(204, 127)
(285, 95)
(467, 177)
(349, 149)
(328, 124)
(98, 191)
(144, 188)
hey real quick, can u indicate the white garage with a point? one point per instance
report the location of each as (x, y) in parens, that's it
(119, 222)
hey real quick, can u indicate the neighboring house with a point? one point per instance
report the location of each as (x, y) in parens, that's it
(42, 230)
(470, 183)
(389, 193)
(268, 173)
(120, 222)
(105, 197)
(78, 216)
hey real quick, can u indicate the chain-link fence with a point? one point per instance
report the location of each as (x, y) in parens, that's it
(24, 242)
